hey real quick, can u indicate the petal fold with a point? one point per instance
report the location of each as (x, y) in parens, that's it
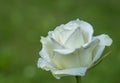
(64, 51)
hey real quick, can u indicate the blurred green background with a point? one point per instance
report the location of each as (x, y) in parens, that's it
(22, 22)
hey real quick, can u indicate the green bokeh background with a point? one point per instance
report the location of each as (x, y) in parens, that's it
(22, 22)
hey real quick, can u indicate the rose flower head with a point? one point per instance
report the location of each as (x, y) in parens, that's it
(71, 49)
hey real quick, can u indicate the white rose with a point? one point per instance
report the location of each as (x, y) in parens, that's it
(71, 49)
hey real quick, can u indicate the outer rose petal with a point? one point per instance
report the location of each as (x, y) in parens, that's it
(45, 65)
(72, 72)
(105, 40)
(48, 45)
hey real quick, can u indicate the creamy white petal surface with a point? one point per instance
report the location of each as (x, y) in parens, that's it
(105, 40)
(71, 49)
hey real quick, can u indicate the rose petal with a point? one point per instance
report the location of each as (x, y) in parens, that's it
(87, 52)
(75, 40)
(81, 35)
(105, 40)
(48, 45)
(60, 34)
(87, 30)
(45, 65)
(72, 72)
